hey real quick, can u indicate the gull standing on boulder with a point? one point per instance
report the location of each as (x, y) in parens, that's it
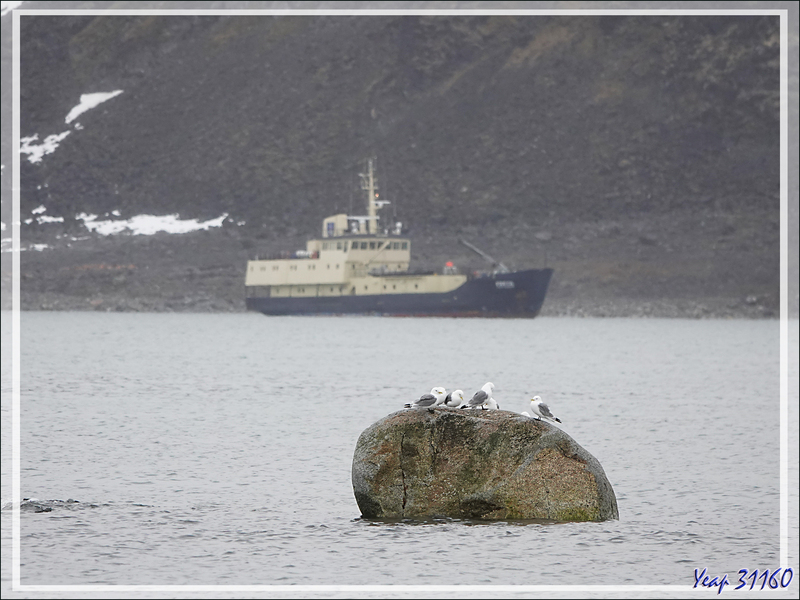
(434, 398)
(542, 410)
(481, 396)
(454, 399)
(441, 395)
(491, 404)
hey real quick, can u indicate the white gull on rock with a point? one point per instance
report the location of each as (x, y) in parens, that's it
(491, 404)
(541, 409)
(436, 397)
(454, 399)
(441, 395)
(481, 397)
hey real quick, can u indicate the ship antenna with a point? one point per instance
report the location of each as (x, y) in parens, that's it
(394, 205)
(350, 209)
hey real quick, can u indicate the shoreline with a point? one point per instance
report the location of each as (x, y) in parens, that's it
(204, 272)
(703, 308)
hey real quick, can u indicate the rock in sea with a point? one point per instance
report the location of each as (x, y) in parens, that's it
(475, 464)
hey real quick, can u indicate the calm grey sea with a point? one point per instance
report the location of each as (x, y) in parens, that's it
(216, 449)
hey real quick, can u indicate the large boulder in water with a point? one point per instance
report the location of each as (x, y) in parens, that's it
(476, 464)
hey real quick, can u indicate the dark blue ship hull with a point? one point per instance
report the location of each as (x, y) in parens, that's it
(515, 294)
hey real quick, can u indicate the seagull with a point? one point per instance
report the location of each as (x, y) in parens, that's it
(481, 396)
(441, 395)
(542, 410)
(454, 399)
(491, 404)
(434, 398)
(422, 402)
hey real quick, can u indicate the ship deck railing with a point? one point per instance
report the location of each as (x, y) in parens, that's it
(288, 255)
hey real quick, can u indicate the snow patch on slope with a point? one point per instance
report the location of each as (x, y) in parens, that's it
(89, 101)
(148, 224)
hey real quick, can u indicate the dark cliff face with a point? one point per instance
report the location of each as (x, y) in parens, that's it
(472, 118)
(581, 129)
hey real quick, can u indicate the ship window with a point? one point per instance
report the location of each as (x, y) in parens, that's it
(263, 268)
(395, 245)
(325, 245)
(384, 287)
(405, 245)
(337, 266)
(331, 289)
(363, 245)
(416, 286)
(372, 245)
(394, 287)
(339, 246)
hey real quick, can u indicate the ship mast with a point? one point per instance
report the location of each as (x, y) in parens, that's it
(369, 184)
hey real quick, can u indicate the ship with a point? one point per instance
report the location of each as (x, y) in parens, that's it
(356, 267)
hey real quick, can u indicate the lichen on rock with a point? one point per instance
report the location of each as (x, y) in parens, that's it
(474, 464)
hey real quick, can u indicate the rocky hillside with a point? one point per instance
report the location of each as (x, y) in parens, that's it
(638, 155)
